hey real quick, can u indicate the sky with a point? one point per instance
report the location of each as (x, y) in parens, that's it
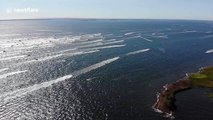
(128, 9)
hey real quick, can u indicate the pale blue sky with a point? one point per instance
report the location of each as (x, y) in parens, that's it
(153, 9)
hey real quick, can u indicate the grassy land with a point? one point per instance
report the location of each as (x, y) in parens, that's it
(202, 79)
(210, 95)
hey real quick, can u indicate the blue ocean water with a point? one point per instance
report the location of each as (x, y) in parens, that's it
(88, 69)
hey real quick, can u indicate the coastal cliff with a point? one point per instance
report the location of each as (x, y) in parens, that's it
(166, 98)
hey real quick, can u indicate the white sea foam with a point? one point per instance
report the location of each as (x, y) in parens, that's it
(24, 91)
(95, 66)
(67, 50)
(9, 35)
(161, 36)
(12, 73)
(146, 39)
(81, 53)
(110, 40)
(59, 55)
(90, 45)
(207, 36)
(209, 51)
(114, 42)
(189, 31)
(107, 47)
(13, 57)
(4, 69)
(129, 33)
(9, 55)
(91, 41)
(138, 36)
(137, 52)
(43, 59)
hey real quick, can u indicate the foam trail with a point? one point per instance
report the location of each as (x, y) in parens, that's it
(89, 42)
(110, 40)
(146, 39)
(106, 47)
(14, 57)
(43, 59)
(129, 33)
(67, 50)
(114, 42)
(138, 36)
(12, 73)
(95, 66)
(81, 53)
(4, 69)
(24, 91)
(59, 55)
(209, 51)
(137, 52)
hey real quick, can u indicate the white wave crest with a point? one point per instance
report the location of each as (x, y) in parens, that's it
(11, 73)
(209, 51)
(146, 39)
(14, 57)
(129, 33)
(107, 47)
(43, 59)
(4, 69)
(95, 66)
(137, 52)
(114, 42)
(24, 91)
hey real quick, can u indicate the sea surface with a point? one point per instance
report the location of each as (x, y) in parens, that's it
(90, 69)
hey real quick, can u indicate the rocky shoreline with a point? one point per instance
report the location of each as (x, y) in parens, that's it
(166, 98)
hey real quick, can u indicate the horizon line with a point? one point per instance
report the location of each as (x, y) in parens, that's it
(76, 18)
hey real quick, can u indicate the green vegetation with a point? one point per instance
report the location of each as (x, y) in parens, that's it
(199, 76)
(202, 79)
(210, 95)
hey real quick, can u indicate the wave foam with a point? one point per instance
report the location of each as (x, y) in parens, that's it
(129, 33)
(137, 52)
(107, 47)
(4, 69)
(14, 57)
(95, 66)
(146, 39)
(24, 91)
(12, 73)
(209, 51)
(43, 59)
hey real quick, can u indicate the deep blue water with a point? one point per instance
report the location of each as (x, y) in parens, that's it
(118, 66)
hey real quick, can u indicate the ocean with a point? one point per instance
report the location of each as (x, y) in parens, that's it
(101, 69)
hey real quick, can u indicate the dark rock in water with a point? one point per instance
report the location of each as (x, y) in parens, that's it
(166, 98)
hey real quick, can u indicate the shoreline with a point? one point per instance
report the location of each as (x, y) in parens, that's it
(165, 103)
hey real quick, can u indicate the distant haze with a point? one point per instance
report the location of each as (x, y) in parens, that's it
(130, 9)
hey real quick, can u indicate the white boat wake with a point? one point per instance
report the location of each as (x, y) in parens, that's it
(24, 91)
(209, 51)
(138, 51)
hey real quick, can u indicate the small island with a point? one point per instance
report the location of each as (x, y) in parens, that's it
(165, 99)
